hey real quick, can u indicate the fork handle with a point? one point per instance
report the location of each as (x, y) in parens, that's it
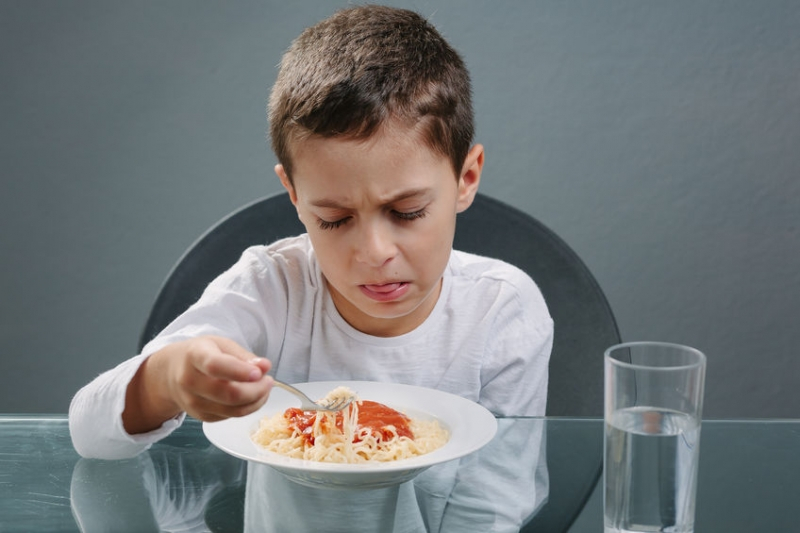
(306, 403)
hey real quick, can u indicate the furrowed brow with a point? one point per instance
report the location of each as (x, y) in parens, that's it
(328, 203)
(411, 193)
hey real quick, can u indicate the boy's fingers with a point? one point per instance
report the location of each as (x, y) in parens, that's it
(263, 363)
(235, 363)
(232, 348)
(227, 398)
(232, 369)
(236, 350)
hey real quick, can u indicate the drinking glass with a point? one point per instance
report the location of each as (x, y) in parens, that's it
(653, 410)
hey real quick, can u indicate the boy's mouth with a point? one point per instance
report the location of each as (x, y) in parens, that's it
(385, 292)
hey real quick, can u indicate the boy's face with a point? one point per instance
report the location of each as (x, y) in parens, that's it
(381, 216)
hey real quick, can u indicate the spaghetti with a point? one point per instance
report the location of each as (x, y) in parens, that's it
(365, 431)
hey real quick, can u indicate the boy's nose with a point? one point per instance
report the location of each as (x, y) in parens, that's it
(376, 245)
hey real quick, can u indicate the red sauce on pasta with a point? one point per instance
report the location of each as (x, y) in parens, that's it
(371, 415)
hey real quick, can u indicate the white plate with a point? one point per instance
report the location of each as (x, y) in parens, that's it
(470, 425)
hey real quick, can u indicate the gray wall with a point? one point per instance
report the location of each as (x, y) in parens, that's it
(658, 138)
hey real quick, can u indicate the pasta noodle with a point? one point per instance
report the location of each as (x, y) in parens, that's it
(363, 432)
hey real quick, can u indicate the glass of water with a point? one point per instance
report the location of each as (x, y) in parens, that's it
(653, 409)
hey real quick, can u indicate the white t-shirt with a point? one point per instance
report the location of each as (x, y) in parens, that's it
(487, 339)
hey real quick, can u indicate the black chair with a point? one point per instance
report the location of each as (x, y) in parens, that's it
(584, 323)
(260, 222)
(584, 328)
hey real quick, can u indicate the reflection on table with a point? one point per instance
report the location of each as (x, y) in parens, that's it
(536, 470)
(202, 489)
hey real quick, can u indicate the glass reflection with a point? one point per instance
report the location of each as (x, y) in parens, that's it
(177, 489)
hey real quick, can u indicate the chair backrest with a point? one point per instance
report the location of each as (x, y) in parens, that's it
(260, 222)
(584, 323)
(584, 328)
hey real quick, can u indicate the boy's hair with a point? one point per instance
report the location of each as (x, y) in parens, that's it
(365, 66)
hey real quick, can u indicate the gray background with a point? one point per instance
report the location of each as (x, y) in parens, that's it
(660, 139)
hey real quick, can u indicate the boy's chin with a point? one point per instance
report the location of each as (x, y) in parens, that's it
(384, 318)
(395, 312)
(388, 320)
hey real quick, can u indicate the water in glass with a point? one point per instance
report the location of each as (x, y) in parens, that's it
(651, 470)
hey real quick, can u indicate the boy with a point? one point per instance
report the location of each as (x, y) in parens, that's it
(372, 125)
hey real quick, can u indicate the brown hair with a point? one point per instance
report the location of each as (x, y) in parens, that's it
(364, 66)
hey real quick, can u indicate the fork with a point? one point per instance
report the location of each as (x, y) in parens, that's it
(309, 405)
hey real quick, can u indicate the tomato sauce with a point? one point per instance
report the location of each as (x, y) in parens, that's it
(373, 416)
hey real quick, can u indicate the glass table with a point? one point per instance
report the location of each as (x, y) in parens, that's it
(537, 471)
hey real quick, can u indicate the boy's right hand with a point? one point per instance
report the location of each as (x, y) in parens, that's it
(209, 378)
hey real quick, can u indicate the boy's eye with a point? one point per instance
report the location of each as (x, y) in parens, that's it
(410, 216)
(324, 224)
(401, 215)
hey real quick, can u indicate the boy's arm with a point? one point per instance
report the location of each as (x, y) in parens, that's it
(209, 378)
(515, 371)
(126, 409)
(514, 383)
(194, 366)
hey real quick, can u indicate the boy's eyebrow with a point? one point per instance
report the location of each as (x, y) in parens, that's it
(329, 203)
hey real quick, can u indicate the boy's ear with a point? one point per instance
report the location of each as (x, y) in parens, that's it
(470, 178)
(286, 182)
